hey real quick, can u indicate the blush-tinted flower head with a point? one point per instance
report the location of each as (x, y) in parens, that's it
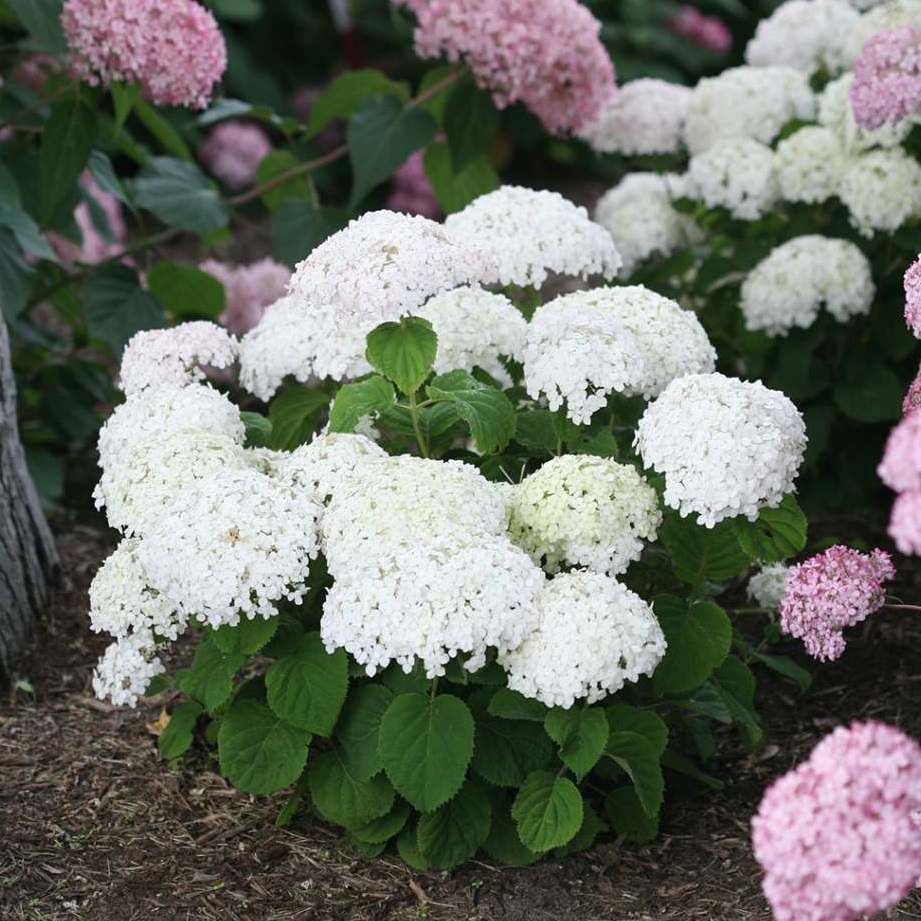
(905, 522)
(836, 113)
(830, 591)
(900, 468)
(544, 53)
(233, 152)
(887, 77)
(172, 48)
(248, 290)
(709, 32)
(412, 193)
(912, 283)
(835, 836)
(101, 223)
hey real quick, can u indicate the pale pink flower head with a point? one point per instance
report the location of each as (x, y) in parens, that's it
(912, 398)
(831, 591)
(912, 284)
(412, 192)
(709, 32)
(544, 53)
(835, 836)
(173, 48)
(900, 468)
(233, 152)
(887, 77)
(905, 522)
(248, 289)
(102, 227)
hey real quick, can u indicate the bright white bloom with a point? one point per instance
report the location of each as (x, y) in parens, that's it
(147, 477)
(746, 102)
(474, 327)
(644, 116)
(159, 410)
(727, 447)
(629, 340)
(768, 586)
(837, 114)
(882, 190)
(232, 545)
(737, 175)
(125, 669)
(809, 165)
(808, 35)
(638, 214)
(586, 511)
(385, 265)
(175, 357)
(888, 15)
(594, 635)
(786, 289)
(429, 601)
(531, 233)
(122, 601)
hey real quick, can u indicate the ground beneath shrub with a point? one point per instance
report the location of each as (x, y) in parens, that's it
(94, 826)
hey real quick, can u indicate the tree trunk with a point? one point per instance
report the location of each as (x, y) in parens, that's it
(28, 558)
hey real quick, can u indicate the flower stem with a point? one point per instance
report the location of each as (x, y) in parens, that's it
(417, 428)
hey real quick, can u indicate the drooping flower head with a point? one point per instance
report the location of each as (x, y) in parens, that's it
(126, 667)
(709, 32)
(173, 48)
(233, 151)
(248, 290)
(835, 836)
(830, 591)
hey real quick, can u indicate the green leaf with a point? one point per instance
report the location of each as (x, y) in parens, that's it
(592, 826)
(238, 10)
(246, 637)
(454, 832)
(512, 705)
(403, 352)
(341, 798)
(702, 554)
(104, 174)
(777, 534)
(735, 683)
(116, 306)
(698, 639)
(259, 752)
(163, 130)
(534, 429)
(42, 19)
(307, 687)
(426, 744)
(258, 430)
(344, 95)
(65, 150)
(455, 190)
(16, 276)
(506, 751)
(373, 394)
(298, 226)
(408, 847)
(125, 96)
(503, 843)
(273, 164)
(627, 816)
(637, 756)
(14, 216)
(185, 290)
(786, 667)
(487, 411)
(176, 737)
(383, 829)
(581, 735)
(210, 678)
(358, 729)
(547, 811)
(470, 121)
(180, 195)
(295, 414)
(870, 393)
(382, 135)
(624, 718)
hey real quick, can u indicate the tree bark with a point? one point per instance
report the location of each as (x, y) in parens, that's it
(28, 557)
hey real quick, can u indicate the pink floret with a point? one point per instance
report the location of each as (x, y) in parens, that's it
(835, 836)
(233, 152)
(173, 48)
(249, 289)
(412, 192)
(709, 32)
(833, 590)
(887, 77)
(912, 283)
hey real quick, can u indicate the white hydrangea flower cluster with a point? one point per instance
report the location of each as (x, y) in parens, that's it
(584, 511)
(531, 233)
(810, 164)
(126, 668)
(836, 113)
(594, 636)
(787, 288)
(746, 102)
(474, 327)
(644, 116)
(176, 356)
(638, 214)
(737, 175)
(727, 447)
(385, 265)
(768, 586)
(808, 35)
(881, 190)
(588, 344)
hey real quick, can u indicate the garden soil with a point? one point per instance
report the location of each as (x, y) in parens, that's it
(93, 825)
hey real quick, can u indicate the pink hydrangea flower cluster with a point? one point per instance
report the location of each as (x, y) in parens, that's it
(233, 152)
(835, 836)
(709, 32)
(887, 77)
(173, 48)
(249, 289)
(831, 591)
(412, 192)
(912, 283)
(97, 245)
(900, 470)
(544, 53)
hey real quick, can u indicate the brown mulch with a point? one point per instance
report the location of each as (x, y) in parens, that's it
(93, 825)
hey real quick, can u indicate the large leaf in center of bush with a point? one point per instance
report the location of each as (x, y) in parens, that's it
(426, 744)
(180, 195)
(776, 534)
(403, 352)
(487, 411)
(547, 811)
(702, 554)
(116, 306)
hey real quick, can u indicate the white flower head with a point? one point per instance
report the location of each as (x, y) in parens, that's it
(727, 447)
(594, 635)
(125, 669)
(836, 113)
(532, 233)
(810, 164)
(737, 175)
(881, 190)
(768, 586)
